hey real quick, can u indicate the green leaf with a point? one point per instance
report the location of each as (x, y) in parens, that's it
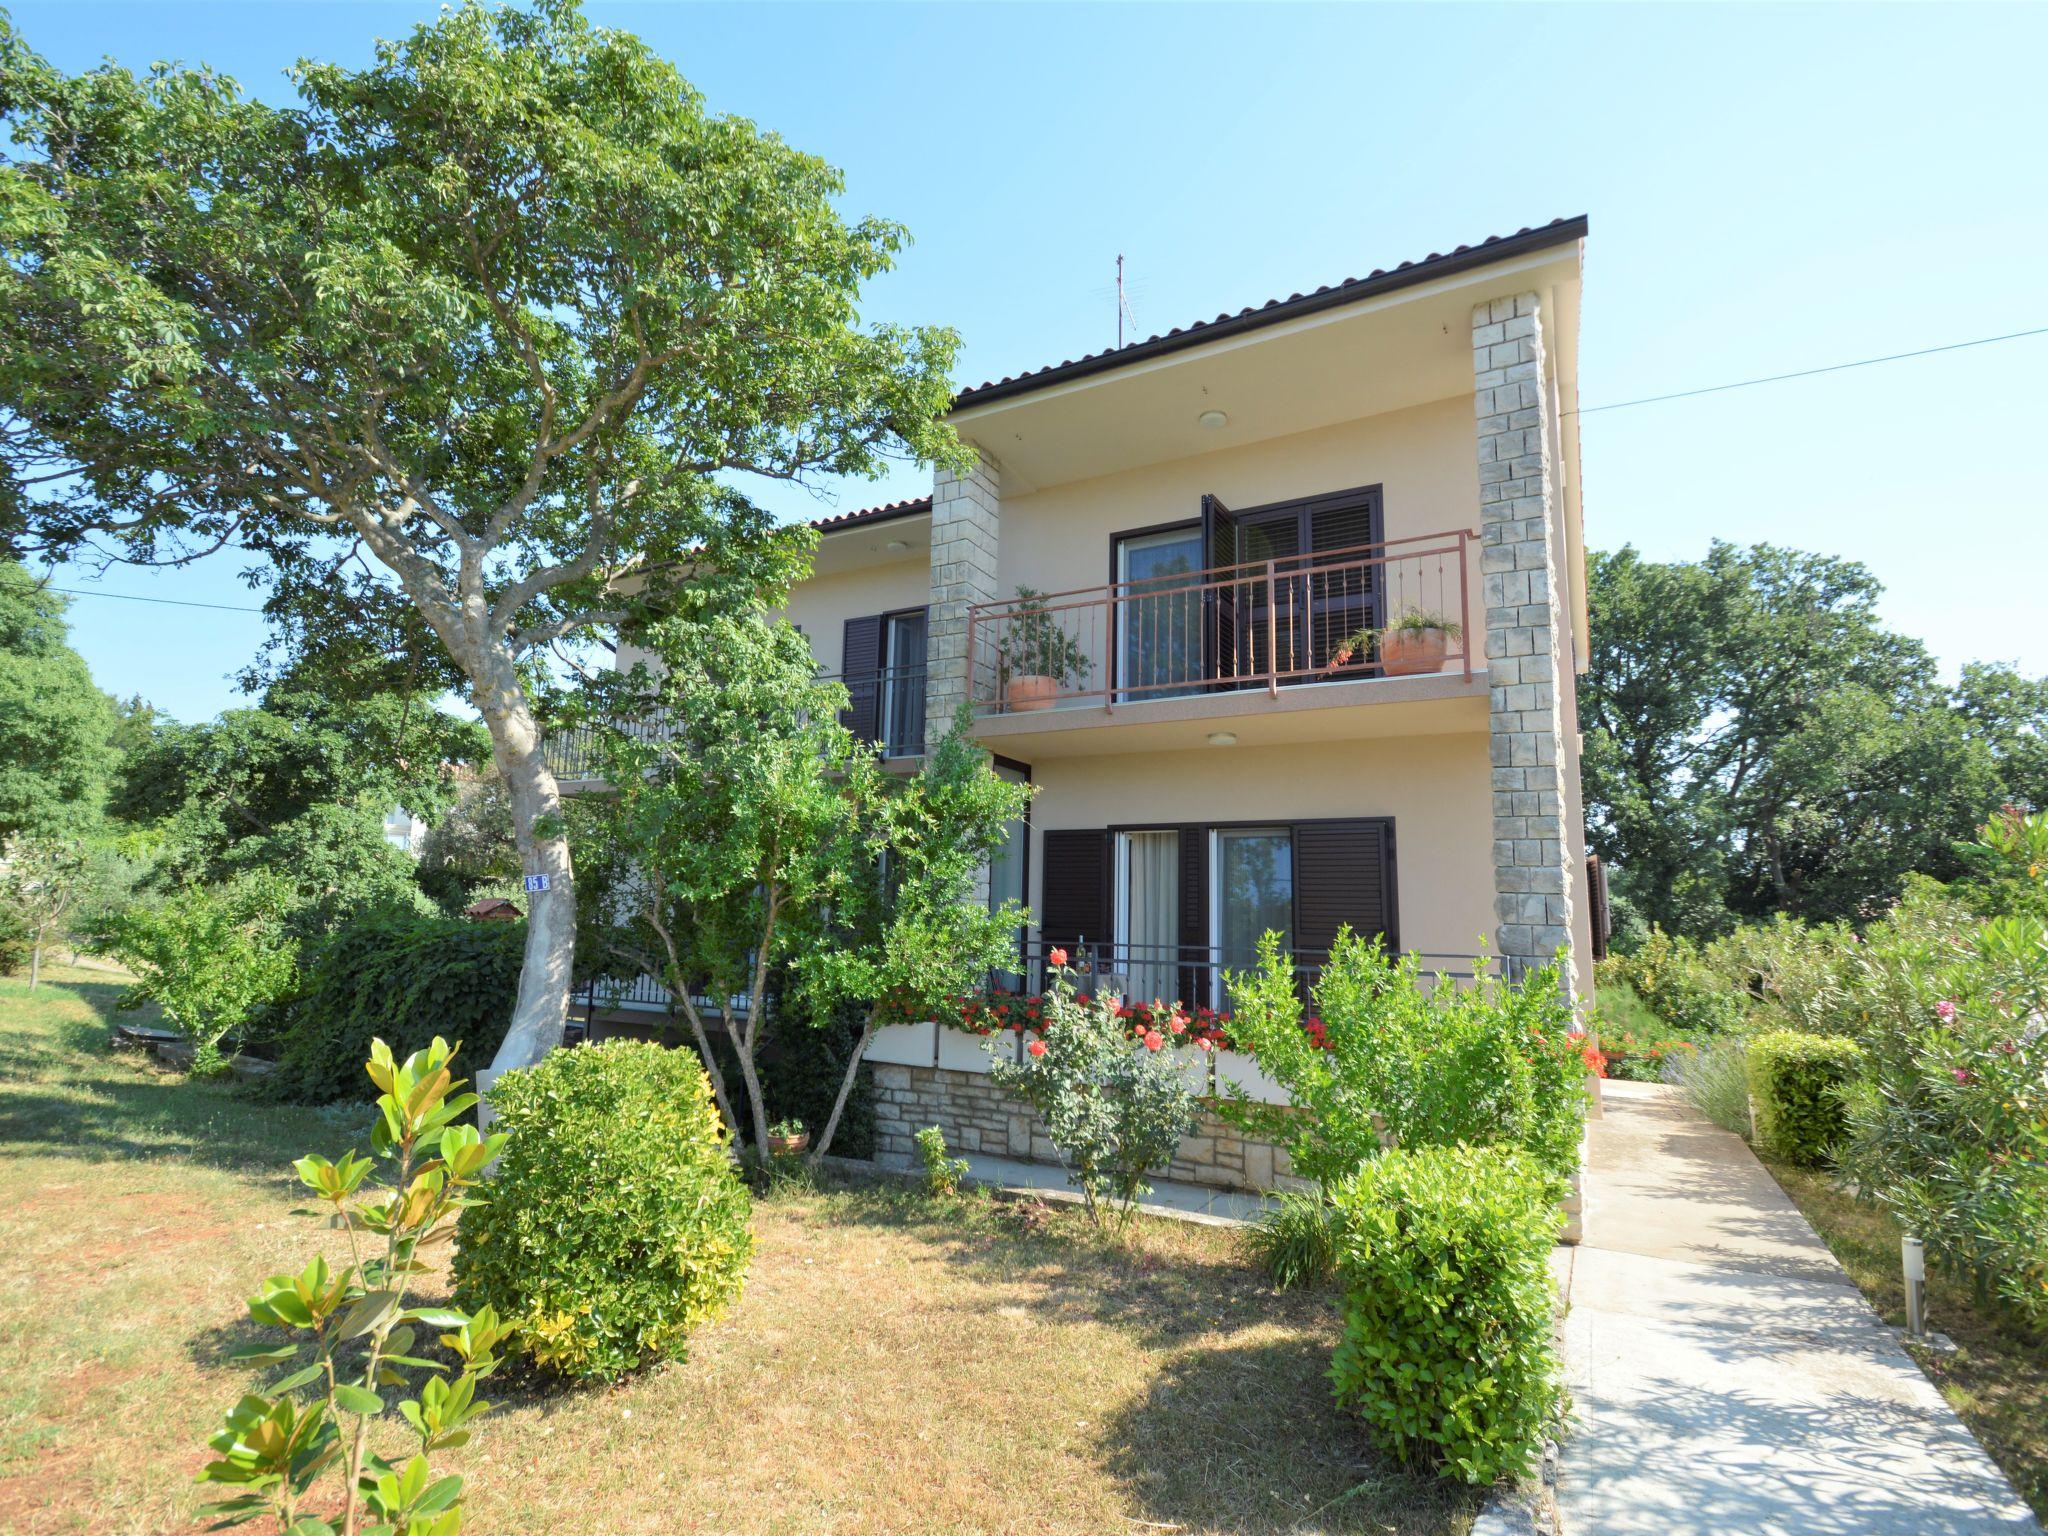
(258, 1355)
(357, 1399)
(369, 1313)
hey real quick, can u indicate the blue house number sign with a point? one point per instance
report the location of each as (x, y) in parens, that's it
(536, 882)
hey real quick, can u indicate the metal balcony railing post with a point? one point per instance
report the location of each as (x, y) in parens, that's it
(1465, 603)
(1272, 633)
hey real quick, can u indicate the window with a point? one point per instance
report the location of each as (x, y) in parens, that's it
(902, 684)
(1254, 892)
(1159, 613)
(882, 664)
(1148, 913)
(1009, 868)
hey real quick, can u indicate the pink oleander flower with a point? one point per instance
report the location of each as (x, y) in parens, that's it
(1036, 1047)
(1964, 1074)
(1945, 1010)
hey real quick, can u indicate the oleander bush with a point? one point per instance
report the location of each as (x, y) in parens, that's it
(1676, 981)
(1796, 1083)
(1447, 1355)
(397, 976)
(617, 1222)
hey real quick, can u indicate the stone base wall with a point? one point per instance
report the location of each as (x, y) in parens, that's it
(977, 1116)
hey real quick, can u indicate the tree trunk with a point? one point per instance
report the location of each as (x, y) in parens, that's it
(547, 971)
(35, 962)
(860, 1050)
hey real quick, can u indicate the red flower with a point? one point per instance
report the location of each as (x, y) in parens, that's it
(1057, 957)
(1036, 1047)
(1154, 1039)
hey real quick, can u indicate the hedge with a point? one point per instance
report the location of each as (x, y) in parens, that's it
(402, 977)
(1795, 1086)
(1444, 1258)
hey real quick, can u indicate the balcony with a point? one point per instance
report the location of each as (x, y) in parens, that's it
(886, 708)
(1250, 643)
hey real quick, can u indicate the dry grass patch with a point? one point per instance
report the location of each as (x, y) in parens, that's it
(893, 1365)
(1997, 1379)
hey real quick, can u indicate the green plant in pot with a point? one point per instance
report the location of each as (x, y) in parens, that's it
(1413, 644)
(786, 1138)
(1036, 657)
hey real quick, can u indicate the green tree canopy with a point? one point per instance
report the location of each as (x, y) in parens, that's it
(495, 328)
(55, 726)
(1757, 741)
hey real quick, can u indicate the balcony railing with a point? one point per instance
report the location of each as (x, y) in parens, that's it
(1191, 974)
(1270, 624)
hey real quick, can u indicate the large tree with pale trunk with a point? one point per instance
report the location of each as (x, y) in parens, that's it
(496, 329)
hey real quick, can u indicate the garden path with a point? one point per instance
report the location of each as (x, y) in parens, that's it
(1728, 1378)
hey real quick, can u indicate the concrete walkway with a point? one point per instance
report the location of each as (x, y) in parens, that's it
(1728, 1378)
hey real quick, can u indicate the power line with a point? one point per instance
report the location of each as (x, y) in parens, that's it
(168, 602)
(1807, 373)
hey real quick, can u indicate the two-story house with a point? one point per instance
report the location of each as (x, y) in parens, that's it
(1281, 614)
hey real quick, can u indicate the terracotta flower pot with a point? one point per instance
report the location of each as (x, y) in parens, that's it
(1028, 692)
(1413, 652)
(788, 1146)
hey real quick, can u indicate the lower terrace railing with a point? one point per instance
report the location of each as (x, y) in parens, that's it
(1274, 623)
(886, 708)
(1188, 974)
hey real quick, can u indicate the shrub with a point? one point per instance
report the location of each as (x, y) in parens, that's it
(1113, 1109)
(942, 1174)
(616, 1221)
(1295, 1242)
(355, 1334)
(1716, 1079)
(1796, 1083)
(211, 957)
(1391, 1058)
(396, 976)
(1443, 1253)
(1672, 976)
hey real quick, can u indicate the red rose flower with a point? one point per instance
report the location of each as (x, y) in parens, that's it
(1154, 1039)
(1036, 1047)
(1057, 957)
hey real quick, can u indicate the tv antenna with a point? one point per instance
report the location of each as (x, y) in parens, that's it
(1123, 303)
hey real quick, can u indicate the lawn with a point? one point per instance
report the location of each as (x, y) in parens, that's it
(1997, 1379)
(893, 1366)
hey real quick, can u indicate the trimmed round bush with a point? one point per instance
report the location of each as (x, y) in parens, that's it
(615, 1222)
(1443, 1255)
(1796, 1083)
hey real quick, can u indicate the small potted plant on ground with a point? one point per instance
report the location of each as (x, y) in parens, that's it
(787, 1138)
(1413, 645)
(1036, 657)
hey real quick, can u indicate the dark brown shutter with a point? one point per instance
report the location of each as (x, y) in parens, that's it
(1219, 601)
(1073, 906)
(1343, 873)
(1194, 916)
(860, 668)
(1344, 595)
(1603, 914)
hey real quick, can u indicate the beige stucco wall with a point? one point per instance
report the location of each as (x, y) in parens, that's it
(1435, 788)
(1059, 538)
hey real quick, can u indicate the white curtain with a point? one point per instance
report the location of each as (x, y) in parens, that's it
(1151, 913)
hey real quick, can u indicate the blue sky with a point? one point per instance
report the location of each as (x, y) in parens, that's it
(1769, 188)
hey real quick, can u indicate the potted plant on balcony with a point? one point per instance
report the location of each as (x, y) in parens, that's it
(1413, 645)
(1035, 656)
(787, 1138)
